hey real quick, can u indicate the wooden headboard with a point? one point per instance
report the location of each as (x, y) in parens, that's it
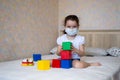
(100, 38)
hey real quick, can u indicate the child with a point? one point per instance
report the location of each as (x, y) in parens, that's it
(71, 24)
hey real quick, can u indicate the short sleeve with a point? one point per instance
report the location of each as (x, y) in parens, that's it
(61, 39)
(59, 42)
(82, 40)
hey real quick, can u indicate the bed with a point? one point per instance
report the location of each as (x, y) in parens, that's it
(110, 70)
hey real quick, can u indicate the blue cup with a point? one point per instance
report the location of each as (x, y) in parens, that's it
(66, 64)
(36, 57)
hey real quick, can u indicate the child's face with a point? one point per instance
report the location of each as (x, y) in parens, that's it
(71, 24)
(71, 28)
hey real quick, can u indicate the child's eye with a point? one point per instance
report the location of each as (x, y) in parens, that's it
(68, 26)
(74, 26)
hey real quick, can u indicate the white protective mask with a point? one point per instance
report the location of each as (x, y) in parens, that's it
(71, 32)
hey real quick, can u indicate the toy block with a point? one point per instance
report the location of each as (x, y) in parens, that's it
(25, 62)
(36, 57)
(30, 62)
(43, 64)
(66, 45)
(56, 63)
(65, 54)
(66, 64)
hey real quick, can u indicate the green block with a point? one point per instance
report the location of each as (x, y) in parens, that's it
(66, 45)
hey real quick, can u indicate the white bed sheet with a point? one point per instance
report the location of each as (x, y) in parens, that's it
(110, 70)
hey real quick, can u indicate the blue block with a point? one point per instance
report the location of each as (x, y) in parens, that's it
(36, 57)
(66, 64)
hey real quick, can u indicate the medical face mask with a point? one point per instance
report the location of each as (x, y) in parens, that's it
(71, 32)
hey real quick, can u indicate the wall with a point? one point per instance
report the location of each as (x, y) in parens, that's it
(26, 26)
(93, 14)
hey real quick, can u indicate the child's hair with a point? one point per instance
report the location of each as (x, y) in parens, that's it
(71, 17)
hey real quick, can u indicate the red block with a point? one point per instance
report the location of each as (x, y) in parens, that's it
(56, 63)
(65, 54)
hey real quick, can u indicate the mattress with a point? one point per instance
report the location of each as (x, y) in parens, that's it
(110, 70)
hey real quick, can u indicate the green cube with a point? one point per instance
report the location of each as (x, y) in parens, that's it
(66, 45)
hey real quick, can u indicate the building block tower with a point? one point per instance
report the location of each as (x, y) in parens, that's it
(66, 57)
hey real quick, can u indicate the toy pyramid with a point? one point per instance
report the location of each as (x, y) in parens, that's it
(65, 61)
(66, 56)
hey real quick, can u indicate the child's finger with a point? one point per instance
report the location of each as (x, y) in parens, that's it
(71, 47)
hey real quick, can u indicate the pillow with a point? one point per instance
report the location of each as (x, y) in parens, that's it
(90, 51)
(114, 51)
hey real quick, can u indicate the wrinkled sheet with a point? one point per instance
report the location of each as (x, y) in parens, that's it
(110, 70)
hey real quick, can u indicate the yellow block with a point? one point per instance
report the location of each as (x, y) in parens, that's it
(43, 64)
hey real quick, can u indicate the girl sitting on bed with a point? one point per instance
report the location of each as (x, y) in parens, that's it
(71, 24)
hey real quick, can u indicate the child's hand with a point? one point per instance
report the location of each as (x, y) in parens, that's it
(79, 51)
(74, 50)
